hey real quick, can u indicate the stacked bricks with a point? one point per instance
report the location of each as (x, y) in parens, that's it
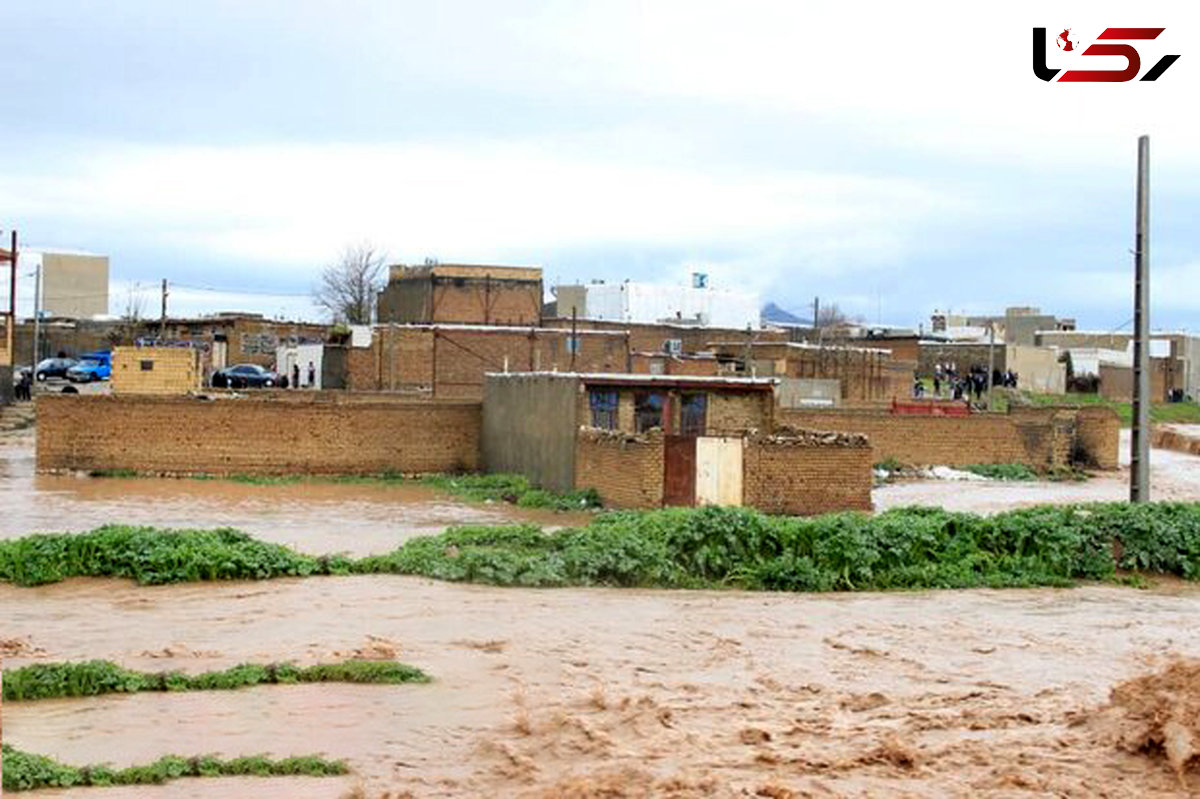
(155, 370)
(626, 470)
(1040, 438)
(805, 473)
(316, 433)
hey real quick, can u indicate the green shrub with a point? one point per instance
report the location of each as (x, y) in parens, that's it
(96, 677)
(1003, 471)
(24, 771)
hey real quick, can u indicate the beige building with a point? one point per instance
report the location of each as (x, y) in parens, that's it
(74, 286)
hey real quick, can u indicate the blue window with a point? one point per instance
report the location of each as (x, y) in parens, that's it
(603, 403)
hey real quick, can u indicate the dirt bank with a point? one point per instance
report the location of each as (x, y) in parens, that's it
(564, 692)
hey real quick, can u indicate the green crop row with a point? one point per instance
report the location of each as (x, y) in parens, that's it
(24, 771)
(96, 677)
(682, 547)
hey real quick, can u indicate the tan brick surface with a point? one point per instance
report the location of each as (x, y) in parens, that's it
(626, 470)
(801, 477)
(173, 370)
(315, 433)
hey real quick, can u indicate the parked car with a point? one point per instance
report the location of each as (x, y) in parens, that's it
(244, 375)
(53, 367)
(92, 366)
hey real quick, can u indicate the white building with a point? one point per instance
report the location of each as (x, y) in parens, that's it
(649, 302)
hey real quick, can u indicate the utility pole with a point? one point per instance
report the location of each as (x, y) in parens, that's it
(991, 363)
(11, 332)
(162, 325)
(816, 312)
(1139, 473)
(37, 316)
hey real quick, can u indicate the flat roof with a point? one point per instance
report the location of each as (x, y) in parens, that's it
(625, 378)
(801, 345)
(401, 271)
(562, 331)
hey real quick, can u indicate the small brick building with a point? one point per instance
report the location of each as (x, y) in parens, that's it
(654, 440)
(462, 294)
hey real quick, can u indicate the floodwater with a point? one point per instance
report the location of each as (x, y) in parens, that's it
(583, 692)
(1173, 476)
(315, 517)
(545, 692)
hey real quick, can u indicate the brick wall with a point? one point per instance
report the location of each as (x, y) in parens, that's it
(807, 473)
(1037, 437)
(627, 470)
(450, 362)
(734, 413)
(1098, 441)
(155, 370)
(314, 433)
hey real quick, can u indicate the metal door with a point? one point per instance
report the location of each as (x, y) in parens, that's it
(718, 470)
(679, 470)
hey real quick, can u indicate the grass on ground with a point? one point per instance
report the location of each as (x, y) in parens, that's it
(681, 547)
(24, 771)
(1160, 412)
(512, 488)
(96, 677)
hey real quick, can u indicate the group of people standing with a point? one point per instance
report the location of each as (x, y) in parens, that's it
(949, 383)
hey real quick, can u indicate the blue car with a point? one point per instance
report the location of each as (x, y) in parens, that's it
(92, 366)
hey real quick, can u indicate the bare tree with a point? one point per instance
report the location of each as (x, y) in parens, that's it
(131, 317)
(831, 316)
(347, 287)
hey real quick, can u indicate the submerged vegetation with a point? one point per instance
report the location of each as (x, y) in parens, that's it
(96, 677)
(512, 488)
(24, 771)
(680, 547)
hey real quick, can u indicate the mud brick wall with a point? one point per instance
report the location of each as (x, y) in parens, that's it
(807, 474)
(1040, 437)
(1167, 438)
(735, 413)
(626, 470)
(316, 434)
(155, 370)
(1098, 437)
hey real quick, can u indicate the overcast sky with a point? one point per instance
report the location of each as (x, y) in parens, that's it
(888, 160)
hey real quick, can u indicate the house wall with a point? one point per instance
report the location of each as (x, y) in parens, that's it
(279, 433)
(529, 424)
(806, 474)
(1038, 368)
(1038, 437)
(693, 339)
(462, 295)
(1098, 435)
(963, 355)
(155, 370)
(1116, 382)
(625, 469)
(450, 362)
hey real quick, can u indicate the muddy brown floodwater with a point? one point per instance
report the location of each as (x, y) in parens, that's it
(718, 694)
(580, 692)
(315, 517)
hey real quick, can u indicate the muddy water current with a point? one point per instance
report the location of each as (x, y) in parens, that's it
(315, 517)
(575, 692)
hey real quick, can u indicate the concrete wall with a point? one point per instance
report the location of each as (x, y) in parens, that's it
(313, 433)
(625, 469)
(1038, 437)
(794, 392)
(74, 285)
(805, 473)
(1116, 382)
(529, 425)
(155, 370)
(1037, 368)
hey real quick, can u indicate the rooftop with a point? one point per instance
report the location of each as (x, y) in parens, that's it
(621, 378)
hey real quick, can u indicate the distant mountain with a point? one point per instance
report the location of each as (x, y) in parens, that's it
(773, 313)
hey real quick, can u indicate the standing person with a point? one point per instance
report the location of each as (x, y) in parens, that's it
(937, 380)
(312, 375)
(295, 375)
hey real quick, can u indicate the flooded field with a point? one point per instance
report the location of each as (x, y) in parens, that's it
(585, 692)
(722, 694)
(315, 517)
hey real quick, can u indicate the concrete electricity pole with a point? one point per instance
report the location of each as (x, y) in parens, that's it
(1139, 473)
(162, 324)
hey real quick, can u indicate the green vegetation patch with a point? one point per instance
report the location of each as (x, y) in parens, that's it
(1002, 471)
(154, 556)
(25, 772)
(1160, 412)
(683, 547)
(96, 677)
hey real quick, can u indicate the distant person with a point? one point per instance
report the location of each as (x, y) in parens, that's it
(312, 375)
(24, 389)
(295, 375)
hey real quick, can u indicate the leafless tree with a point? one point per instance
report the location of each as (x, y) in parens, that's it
(347, 287)
(131, 317)
(831, 316)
